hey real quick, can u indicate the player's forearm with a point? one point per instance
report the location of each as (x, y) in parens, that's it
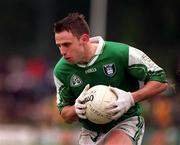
(68, 114)
(152, 88)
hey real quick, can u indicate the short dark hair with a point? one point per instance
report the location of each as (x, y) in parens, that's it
(75, 23)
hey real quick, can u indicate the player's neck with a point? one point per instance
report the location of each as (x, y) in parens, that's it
(89, 52)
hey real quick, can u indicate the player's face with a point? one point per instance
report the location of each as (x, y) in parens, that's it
(70, 46)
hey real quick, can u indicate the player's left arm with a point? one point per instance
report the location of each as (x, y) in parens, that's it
(151, 88)
(141, 67)
(144, 69)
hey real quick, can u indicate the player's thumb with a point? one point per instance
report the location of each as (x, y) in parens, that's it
(114, 90)
(86, 87)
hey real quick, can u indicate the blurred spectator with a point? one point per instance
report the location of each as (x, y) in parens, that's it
(168, 136)
(24, 85)
(162, 111)
(163, 129)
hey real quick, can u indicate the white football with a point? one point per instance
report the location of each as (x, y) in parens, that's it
(97, 99)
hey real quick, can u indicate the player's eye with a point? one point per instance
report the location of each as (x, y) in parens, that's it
(66, 44)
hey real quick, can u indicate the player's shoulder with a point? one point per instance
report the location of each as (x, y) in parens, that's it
(117, 48)
(116, 44)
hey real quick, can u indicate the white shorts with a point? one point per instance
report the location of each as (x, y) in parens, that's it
(134, 127)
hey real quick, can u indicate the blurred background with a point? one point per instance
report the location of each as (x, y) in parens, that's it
(28, 113)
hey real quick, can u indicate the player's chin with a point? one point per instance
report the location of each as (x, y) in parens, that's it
(71, 61)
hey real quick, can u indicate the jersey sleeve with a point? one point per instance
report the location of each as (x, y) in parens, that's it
(62, 94)
(143, 68)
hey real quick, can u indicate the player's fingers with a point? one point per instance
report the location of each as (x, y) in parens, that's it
(81, 106)
(113, 110)
(82, 116)
(80, 100)
(111, 105)
(80, 111)
(114, 90)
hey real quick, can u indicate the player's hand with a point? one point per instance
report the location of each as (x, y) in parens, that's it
(122, 105)
(80, 107)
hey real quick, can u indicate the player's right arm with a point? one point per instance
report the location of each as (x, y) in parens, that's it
(65, 102)
(70, 109)
(68, 114)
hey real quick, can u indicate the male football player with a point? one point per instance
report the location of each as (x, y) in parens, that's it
(87, 62)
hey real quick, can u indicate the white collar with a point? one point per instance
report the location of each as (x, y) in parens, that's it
(97, 39)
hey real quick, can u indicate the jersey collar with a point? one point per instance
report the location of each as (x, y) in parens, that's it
(99, 50)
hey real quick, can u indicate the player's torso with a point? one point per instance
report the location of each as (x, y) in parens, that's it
(110, 68)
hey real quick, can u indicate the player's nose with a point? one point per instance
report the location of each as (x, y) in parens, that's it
(63, 51)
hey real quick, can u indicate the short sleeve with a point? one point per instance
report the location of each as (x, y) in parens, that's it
(64, 98)
(143, 68)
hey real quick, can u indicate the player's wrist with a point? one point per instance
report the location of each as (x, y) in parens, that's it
(131, 98)
(135, 96)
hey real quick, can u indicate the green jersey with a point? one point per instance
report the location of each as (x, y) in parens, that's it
(114, 64)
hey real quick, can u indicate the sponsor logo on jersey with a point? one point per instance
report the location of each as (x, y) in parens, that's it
(109, 69)
(75, 81)
(90, 70)
(149, 63)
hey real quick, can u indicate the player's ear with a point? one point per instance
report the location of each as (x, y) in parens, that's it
(85, 38)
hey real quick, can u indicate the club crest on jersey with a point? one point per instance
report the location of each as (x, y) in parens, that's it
(109, 69)
(75, 81)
